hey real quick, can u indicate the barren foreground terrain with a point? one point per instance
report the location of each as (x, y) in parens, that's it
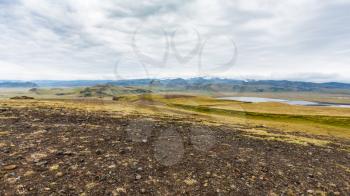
(53, 150)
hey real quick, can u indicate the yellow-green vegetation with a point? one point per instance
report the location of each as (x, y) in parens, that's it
(262, 134)
(325, 121)
(347, 169)
(3, 133)
(314, 120)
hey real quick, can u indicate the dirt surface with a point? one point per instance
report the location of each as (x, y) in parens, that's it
(55, 151)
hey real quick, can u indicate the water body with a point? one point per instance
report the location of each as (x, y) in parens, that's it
(290, 102)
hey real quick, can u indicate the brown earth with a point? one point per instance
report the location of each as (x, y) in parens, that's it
(56, 151)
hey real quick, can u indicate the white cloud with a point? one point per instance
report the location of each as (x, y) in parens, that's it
(83, 39)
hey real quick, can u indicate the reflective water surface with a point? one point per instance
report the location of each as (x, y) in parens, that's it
(291, 102)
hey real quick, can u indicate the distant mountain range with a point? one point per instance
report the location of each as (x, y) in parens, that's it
(14, 84)
(194, 84)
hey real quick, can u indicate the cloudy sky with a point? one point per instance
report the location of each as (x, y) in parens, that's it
(116, 39)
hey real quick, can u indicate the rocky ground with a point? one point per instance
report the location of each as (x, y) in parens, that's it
(56, 151)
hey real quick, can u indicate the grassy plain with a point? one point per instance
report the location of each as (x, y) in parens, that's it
(323, 121)
(329, 121)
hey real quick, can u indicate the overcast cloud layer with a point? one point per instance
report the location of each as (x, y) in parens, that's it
(93, 39)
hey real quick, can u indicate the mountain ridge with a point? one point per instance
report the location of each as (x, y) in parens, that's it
(193, 84)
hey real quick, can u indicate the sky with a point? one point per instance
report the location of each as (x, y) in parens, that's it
(306, 40)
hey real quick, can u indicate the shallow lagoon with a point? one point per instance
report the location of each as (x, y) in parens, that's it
(290, 102)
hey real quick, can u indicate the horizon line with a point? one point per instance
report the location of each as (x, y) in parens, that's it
(168, 78)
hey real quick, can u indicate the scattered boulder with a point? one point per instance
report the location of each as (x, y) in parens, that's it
(138, 177)
(10, 167)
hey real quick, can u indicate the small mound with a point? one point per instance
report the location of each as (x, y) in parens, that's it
(22, 97)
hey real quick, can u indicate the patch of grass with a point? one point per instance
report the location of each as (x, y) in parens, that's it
(347, 169)
(311, 120)
(337, 121)
(261, 134)
(4, 133)
(202, 107)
